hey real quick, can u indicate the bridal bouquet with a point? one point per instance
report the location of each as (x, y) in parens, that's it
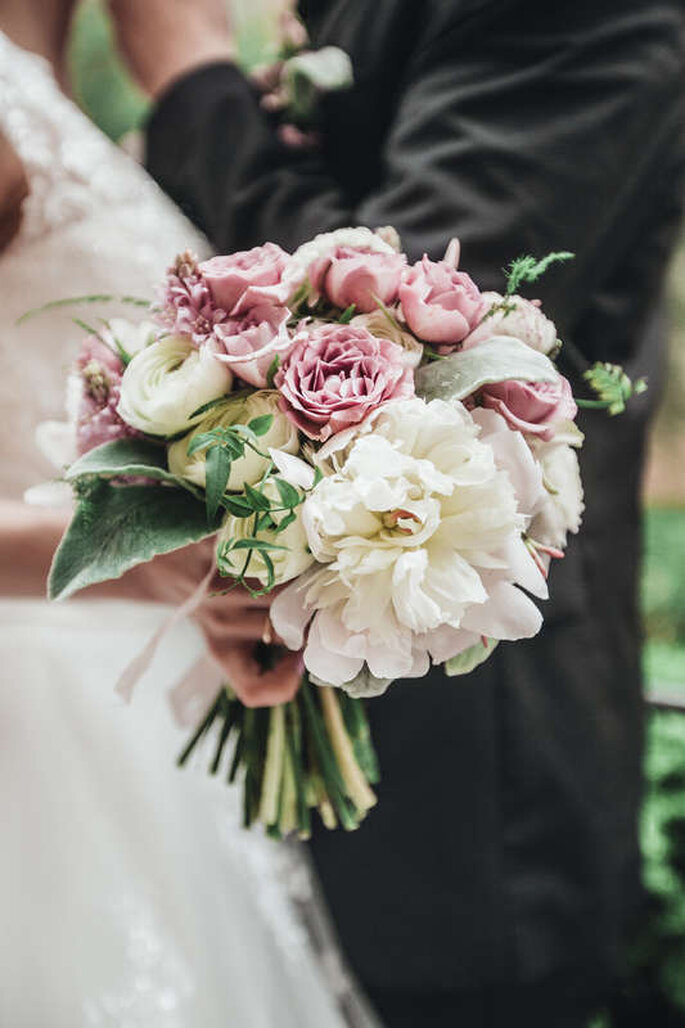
(388, 448)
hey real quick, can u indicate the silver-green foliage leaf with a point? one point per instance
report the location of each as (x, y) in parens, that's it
(124, 457)
(114, 528)
(470, 659)
(496, 360)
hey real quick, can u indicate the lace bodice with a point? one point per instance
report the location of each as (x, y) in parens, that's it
(94, 222)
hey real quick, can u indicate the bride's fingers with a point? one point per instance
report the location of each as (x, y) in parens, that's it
(252, 685)
(235, 624)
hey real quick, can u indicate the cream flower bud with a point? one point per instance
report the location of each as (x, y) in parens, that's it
(166, 382)
(385, 326)
(288, 563)
(236, 410)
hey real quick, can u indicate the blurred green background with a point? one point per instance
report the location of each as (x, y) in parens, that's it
(654, 990)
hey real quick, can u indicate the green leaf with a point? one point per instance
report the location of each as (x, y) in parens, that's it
(126, 457)
(498, 359)
(470, 659)
(134, 301)
(271, 373)
(347, 314)
(529, 269)
(258, 501)
(238, 506)
(288, 493)
(613, 387)
(262, 424)
(217, 470)
(114, 528)
(256, 544)
(285, 522)
(201, 442)
(210, 405)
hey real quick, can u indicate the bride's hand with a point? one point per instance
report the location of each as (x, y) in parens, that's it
(232, 624)
(162, 40)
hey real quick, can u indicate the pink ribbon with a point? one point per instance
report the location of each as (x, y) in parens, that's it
(139, 665)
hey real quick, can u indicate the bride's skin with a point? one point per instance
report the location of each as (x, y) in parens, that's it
(41, 26)
(231, 624)
(29, 536)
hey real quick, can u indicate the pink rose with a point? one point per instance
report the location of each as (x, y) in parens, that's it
(531, 407)
(249, 343)
(349, 276)
(251, 278)
(440, 304)
(99, 371)
(335, 375)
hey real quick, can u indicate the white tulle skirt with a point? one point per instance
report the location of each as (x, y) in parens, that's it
(129, 895)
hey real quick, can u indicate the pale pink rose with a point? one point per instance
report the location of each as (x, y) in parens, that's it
(348, 275)
(99, 371)
(248, 344)
(513, 316)
(250, 278)
(336, 375)
(531, 407)
(440, 304)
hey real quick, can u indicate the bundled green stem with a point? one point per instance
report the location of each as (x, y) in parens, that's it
(314, 752)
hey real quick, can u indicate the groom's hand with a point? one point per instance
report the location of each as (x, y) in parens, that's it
(162, 40)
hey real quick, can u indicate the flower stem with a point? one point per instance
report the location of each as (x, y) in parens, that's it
(357, 786)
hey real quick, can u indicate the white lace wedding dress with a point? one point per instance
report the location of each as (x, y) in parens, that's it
(129, 896)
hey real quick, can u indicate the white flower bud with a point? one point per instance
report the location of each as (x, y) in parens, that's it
(166, 382)
(236, 410)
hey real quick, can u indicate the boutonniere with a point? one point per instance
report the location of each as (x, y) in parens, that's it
(294, 85)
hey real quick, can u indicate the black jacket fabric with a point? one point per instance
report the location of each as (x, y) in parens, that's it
(504, 846)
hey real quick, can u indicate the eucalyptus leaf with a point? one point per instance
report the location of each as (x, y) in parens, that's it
(114, 528)
(125, 457)
(470, 659)
(496, 360)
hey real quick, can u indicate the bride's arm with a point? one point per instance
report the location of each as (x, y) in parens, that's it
(231, 624)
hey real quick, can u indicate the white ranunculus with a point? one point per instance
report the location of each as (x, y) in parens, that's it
(236, 410)
(360, 238)
(413, 528)
(166, 382)
(525, 322)
(561, 509)
(385, 326)
(288, 563)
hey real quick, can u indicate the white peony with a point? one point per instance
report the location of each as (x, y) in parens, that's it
(236, 410)
(166, 382)
(562, 506)
(385, 326)
(525, 322)
(288, 563)
(413, 525)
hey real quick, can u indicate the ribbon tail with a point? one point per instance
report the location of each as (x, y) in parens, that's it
(192, 696)
(139, 665)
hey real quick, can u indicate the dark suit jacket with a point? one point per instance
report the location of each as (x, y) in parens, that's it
(504, 847)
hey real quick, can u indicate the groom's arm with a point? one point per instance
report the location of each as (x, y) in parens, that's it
(524, 135)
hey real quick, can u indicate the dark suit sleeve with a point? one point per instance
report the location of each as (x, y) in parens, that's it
(528, 133)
